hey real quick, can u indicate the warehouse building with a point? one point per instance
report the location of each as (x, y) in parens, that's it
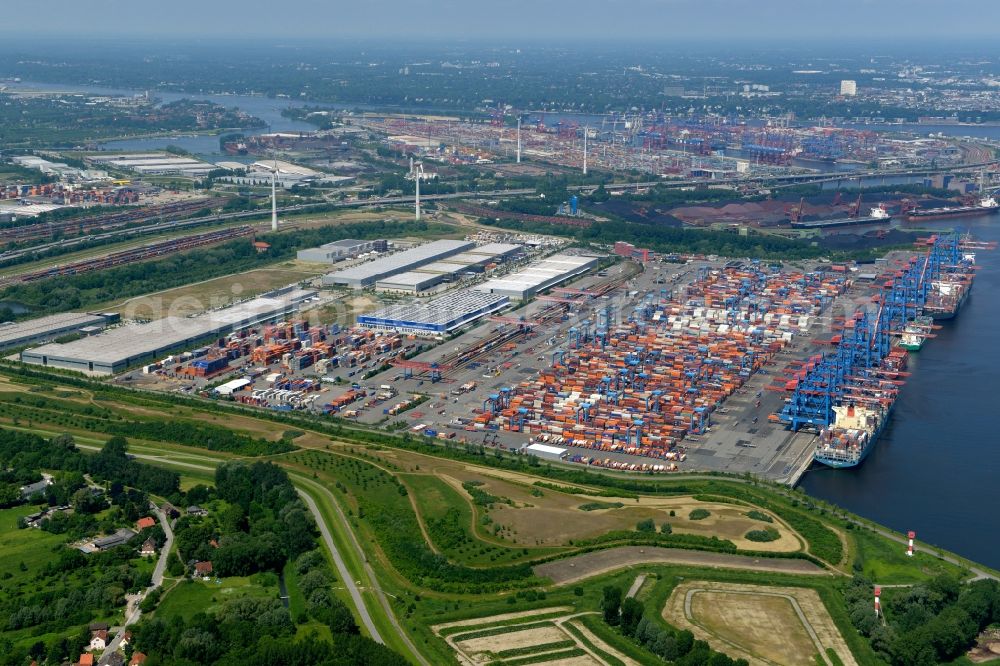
(367, 274)
(120, 348)
(18, 334)
(451, 270)
(497, 251)
(157, 164)
(437, 316)
(331, 253)
(410, 282)
(539, 276)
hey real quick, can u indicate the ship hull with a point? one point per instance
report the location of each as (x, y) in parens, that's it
(844, 222)
(942, 213)
(943, 315)
(840, 463)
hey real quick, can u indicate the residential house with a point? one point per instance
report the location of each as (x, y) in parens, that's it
(148, 548)
(145, 523)
(195, 510)
(202, 568)
(32, 489)
(86, 659)
(98, 640)
(138, 659)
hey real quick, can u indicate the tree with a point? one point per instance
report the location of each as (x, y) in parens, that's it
(631, 614)
(611, 605)
(665, 528)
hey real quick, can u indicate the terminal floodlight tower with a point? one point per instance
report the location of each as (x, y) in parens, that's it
(910, 536)
(274, 196)
(519, 138)
(416, 174)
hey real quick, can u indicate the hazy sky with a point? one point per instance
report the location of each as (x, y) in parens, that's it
(745, 20)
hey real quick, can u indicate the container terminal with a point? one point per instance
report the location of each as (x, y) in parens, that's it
(669, 363)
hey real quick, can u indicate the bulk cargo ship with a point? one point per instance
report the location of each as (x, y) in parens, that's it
(916, 333)
(862, 416)
(984, 205)
(878, 215)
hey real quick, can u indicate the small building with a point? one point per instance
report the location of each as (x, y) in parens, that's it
(98, 640)
(231, 387)
(145, 523)
(195, 510)
(544, 451)
(170, 510)
(148, 548)
(331, 253)
(202, 569)
(138, 659)
(85, 659)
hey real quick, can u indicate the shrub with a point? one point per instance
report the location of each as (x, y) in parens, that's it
(699, 514)
(762, 536)
(645, 525)
(760, 515)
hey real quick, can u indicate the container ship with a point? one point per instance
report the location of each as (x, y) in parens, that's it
(878, 215)
(984, 205)
(949, 292)
(916, 333)
(862, 414)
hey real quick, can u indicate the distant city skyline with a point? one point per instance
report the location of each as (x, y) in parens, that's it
(557, 20)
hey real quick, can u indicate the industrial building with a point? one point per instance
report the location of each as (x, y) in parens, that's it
(157, 164)
(18, 334)
(411, 282)
(119, 348)
(331, 253)
(440, 315)
(367, 274)
(539, 276)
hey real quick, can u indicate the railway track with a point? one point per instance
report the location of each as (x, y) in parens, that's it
(130, 256)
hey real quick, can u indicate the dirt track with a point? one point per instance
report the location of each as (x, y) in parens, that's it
(578, 567)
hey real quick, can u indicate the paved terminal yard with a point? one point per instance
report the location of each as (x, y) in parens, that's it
(739, 438)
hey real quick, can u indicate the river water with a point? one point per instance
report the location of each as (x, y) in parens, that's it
(934, 469)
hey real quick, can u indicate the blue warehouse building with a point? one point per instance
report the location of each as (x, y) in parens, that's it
(437, 316)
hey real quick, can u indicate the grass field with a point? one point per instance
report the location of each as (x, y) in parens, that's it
(206, 596)
(33, 548)
(195, 298)
(783, 626)
(524, 638)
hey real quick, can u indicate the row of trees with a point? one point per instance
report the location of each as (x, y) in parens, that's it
(678, 647)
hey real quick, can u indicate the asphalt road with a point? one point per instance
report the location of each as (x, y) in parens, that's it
(342, 571)
(157, 581)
